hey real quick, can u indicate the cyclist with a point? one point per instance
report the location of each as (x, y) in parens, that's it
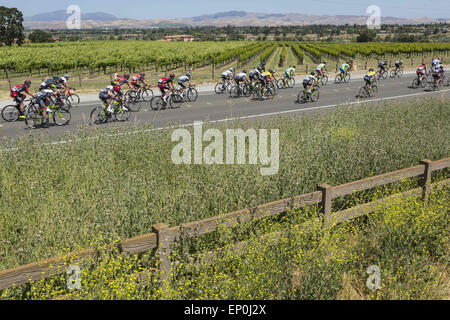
(320, 69)
(266, 78)
(227, 75)
(107, 96)
(166, 83)
(182, 80)
(421, 70)
(289, 74)
(49, 83)
(382, 65)
(43, 99)
(19, 97)
(262, 67)
(137, 80)
(344, 68)
(436, 62)
(398, 64)
(370, 78)
(254, 75)
(309, 82)
(241, 77)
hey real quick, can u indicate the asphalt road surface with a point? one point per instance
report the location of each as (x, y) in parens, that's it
(212, 107)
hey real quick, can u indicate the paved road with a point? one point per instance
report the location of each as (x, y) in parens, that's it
(212, 107)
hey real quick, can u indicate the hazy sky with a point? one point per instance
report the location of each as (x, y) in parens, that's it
(145, 9)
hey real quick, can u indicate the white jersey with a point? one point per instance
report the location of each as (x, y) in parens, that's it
(240, 76)
(183, 79)
(227, 74)
(310, 79)
(436, 62)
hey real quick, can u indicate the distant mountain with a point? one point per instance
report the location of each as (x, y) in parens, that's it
(62, 15)
(56, 20)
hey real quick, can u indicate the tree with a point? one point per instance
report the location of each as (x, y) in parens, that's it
(11, 26)
(39, 36)
(366, 35)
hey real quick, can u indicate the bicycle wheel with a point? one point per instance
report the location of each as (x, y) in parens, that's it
(393, 74)
(147, 95)
(234, 93)
(385, 75)
(132, 101)
(363, 92)
(10, 113)
(314, 96)
(192, 94)
(246, 91)
(301, 97)
(400, 73)
(99, 115)
(219, 89)
(73, 100)
(347, 78)
(374, 91)
(424, 82)
(121, 114)
(378, 75)
(291, 83)
(324, 80)
(157, 103)
(338, 79)
(33, 119)
(280, 84)
(61, 117)
(415, 83)
(176, 101)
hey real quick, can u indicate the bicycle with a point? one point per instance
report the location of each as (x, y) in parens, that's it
(243, 89)
(56, 110)
(101, 115)
(436, 83)
(71, 99)
(269, 93)
(190, 94)
(364, 92)
(143, 93)
(382, 74)
(223, 87)
(11, 113)
(343, 78)
(313, 96)
(420, 81)
(322, 80)
(174, 99)
(286, 83)
(397, 72)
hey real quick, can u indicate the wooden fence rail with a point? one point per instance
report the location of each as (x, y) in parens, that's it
(163, 236)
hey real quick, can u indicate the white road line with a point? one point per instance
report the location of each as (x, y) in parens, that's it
(244, 117)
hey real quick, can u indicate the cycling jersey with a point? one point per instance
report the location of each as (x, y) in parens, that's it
(183, 79)
(436, 62)
(240, 76)
(254, 74)
(49, 84)
(42, 96)
(18, 89)
(135, 81)
(104, 93)
(344, 68)
(267, 76)
(420, 70)
(309, 79)
(398, 64)
(370, 76)
(227, 74)
(321, 66)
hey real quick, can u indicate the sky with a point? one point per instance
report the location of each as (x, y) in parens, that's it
(150, 9)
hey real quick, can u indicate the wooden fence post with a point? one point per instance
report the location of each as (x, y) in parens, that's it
(327, 196)
(163, 241)
(6, 72)
(426, 179)
(212, 71)
(306, 68)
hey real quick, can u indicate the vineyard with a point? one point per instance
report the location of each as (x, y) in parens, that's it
(130, 55)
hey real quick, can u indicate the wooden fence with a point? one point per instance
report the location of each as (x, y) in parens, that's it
(163, 236)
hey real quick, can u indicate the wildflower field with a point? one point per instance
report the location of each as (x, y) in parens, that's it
(57, 198)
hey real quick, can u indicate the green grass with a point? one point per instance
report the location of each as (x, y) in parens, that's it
(56, 198)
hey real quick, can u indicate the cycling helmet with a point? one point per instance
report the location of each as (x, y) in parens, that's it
(126, 76)
(312, 73)
(188, 75)
(371, 69)
(172, 76)
(231, 69)
(324, 62)
(66, 76)
(142, 74)
(244, 71)
(272, 71)
(110, 88)
(295, 67)
(27, 83)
